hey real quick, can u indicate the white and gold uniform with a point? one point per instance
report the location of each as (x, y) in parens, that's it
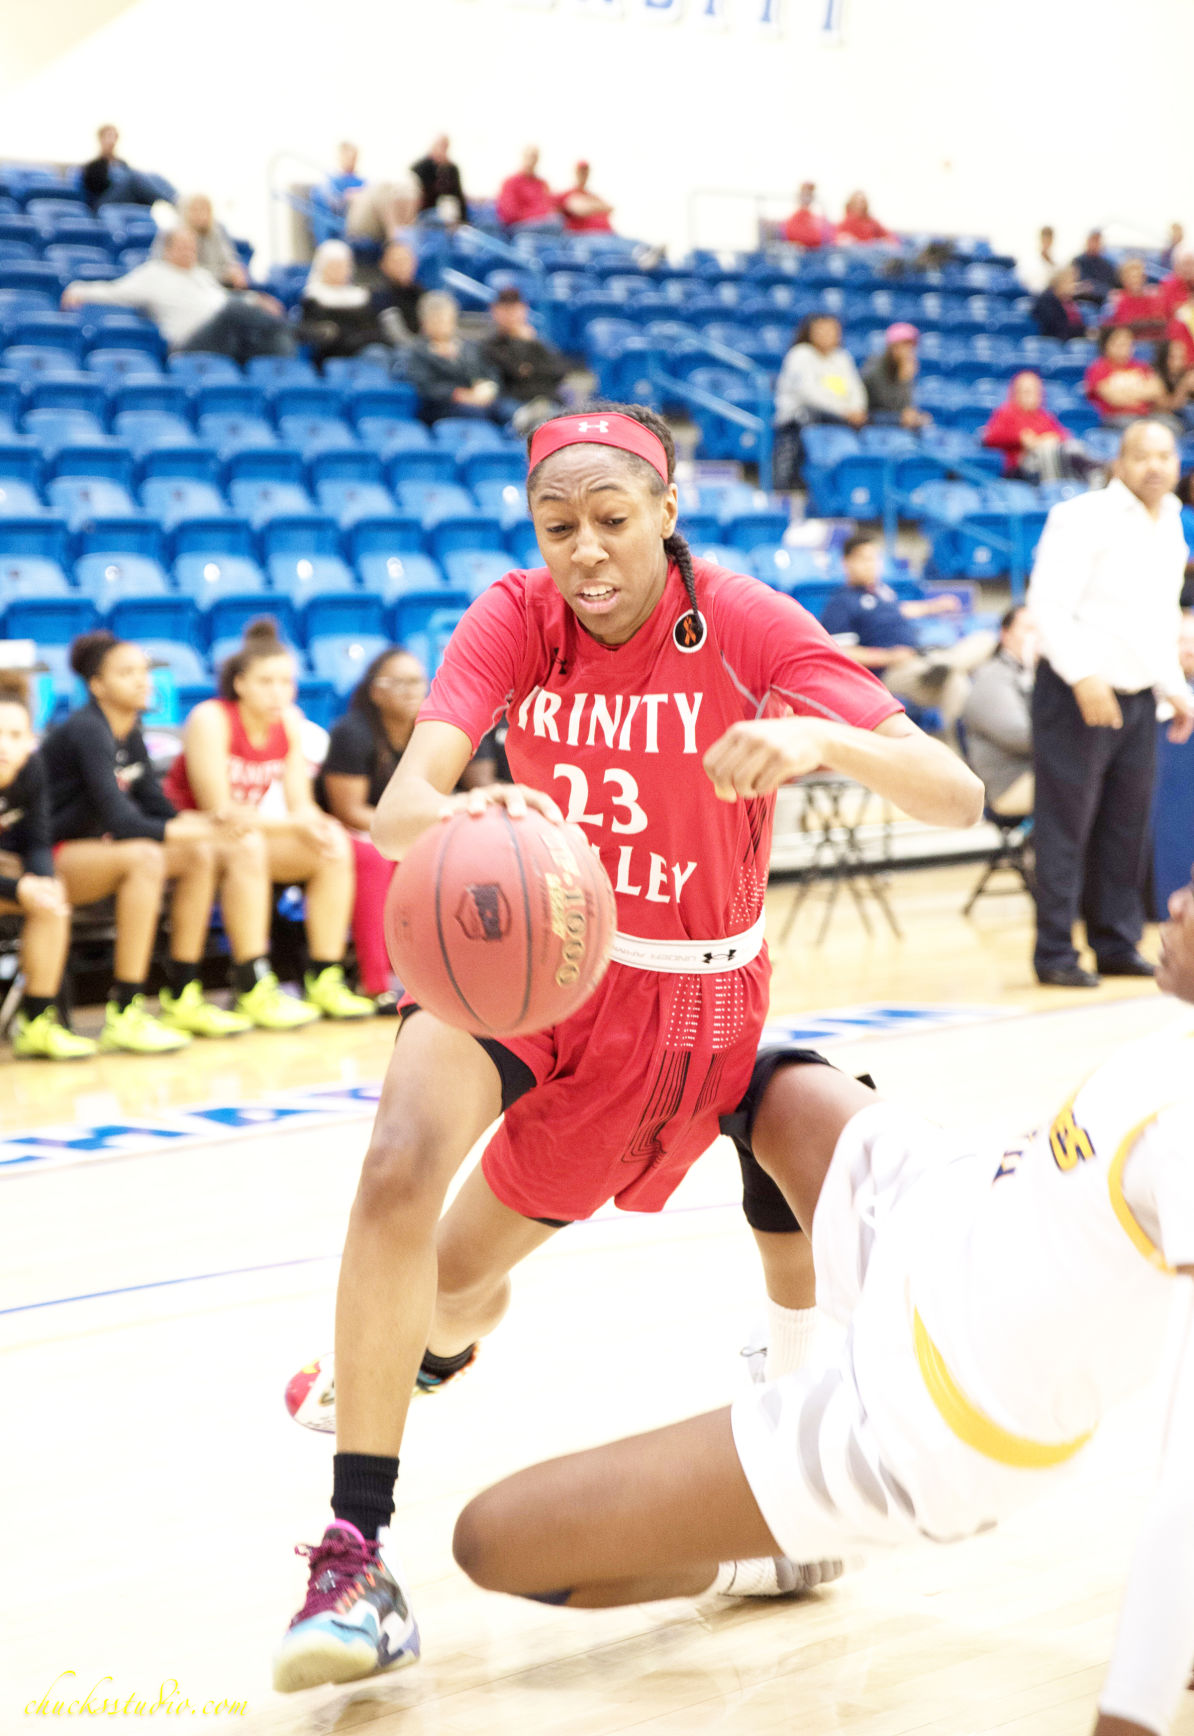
(998, 1304)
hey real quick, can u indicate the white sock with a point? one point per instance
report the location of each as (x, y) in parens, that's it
(745, 1579)
(791, 1332)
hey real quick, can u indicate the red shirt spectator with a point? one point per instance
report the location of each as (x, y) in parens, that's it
(582, 210)
(526, 197)
(1179, 285)
(1137, 304)
(1022, 422)
(1181, 331)
(1117, 384)
(858, 224)
(804, 228)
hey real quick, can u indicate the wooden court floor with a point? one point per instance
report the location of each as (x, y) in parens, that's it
(154, 1300)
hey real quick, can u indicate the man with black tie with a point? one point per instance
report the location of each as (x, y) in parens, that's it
(1104, 592)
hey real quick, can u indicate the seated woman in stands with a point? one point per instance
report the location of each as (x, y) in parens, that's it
(338, 316)
(1118, 385)
(29, 887)
(1177, 376)
(366, 744)
(1035, 445)
(238, 750)
(859, 225)
(817, 382)
(117, 835)
(1055, 310)
(450, 374)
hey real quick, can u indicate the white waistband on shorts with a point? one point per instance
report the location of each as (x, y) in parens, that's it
(690, 957)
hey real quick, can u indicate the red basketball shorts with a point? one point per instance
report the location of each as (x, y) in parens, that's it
(627, 1092)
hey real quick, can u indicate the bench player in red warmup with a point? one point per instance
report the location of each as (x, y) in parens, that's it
(999, 1304)
(659, 702)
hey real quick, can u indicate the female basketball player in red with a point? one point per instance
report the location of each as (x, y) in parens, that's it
(660, 703)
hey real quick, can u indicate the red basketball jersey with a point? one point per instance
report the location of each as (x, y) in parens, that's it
(617, 734)
(251, 769)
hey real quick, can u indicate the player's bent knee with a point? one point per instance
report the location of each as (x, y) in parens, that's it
(473, 1546)
(401, 1174)
(145, 859)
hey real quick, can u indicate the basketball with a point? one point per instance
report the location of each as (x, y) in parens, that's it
(500, 925)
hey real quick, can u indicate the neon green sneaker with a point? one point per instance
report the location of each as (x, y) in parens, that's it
(46, 1038)
(331, 994)
(137, 1031)
(193, 1013)
(270, 1008)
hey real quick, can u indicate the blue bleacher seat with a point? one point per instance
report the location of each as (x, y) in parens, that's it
(205, 575)
(344, 464)
(341, 658)
(312, 434)
(524, 549)
(388, 434)
(142, 617)
(413, 610)
(466, 532)
(460, 434)
(505, 501)
(423, 464)
(180, 657)
(110, 576)
(229, 614)
(349, 372)
(261, 500)
(141, 393)
(313, 399)
(746, 530)
(30, 361)
(348, 500)
(474, 570)
(318, 700)
(20, 459)
(786, 568)
(185, 460)
(502, 466)
(203, 367)
(210, 535)
(118, 365)
(428, 644)
(147, 433)
(228, 431)
(110, 459)
(430, 501)
(171, 499)
(19, 499)
(55, 428)
(343, 612)
(73, 391)
(49, 619)
(280, 371)
(79, 499)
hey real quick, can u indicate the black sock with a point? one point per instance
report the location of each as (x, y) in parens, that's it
(246, 976)
(363, 1490)
(443, 1366)
(33, 1006)
(120, 994)
(317, 966)
(178, 975)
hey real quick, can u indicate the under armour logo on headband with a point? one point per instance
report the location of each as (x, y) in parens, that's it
(592, 427)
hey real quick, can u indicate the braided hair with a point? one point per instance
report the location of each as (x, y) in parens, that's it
(675, 547)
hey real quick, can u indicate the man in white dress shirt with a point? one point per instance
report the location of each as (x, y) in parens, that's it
(1104, 593)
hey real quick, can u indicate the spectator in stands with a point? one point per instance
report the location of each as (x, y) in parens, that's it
(525, 197)
(804, 228)
(346, 180)
(528, 370)
(1096, 273)
(450, 375)
(192, 310)
(889, 378)
(581, 209)
(28, 886)
(998, 716)
(1034, 444)
(878, 631)
(817, 382)
(1173, 243)
(213, 246)
(236, 748)
(859, 225)
(439, 178)
(1104, 592)
(338, 316)
(1178, 287)
(396, 298)
(108, 180)
(117, 833)
(382, 211)
(1173, 362)
(365, 746)
(1118, 385)
(1135, 305)
(1056, 310)
(1037, 273)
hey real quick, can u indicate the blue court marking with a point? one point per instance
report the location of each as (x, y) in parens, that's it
(166, 1283)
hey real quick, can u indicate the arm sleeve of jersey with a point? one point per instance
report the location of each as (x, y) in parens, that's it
(117, 813)
(773, 646)
(481, 662)
(1155, 1639)
(37, 855)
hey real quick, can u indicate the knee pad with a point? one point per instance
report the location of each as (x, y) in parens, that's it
(763, 1203)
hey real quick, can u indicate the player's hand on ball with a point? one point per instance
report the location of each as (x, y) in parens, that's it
(753, 759)
(517, 799)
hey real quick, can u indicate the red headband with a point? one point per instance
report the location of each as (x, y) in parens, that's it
(599, 428)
